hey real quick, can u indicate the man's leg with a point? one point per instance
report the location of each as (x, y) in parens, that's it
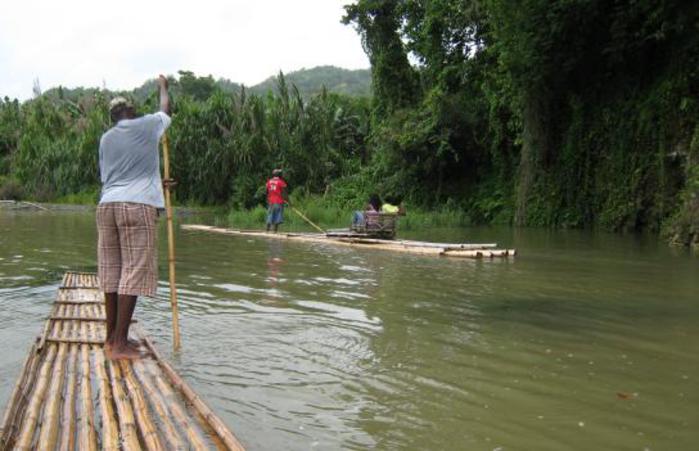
(277, 217)
(121, 349)
(108, 267)
(110, 308)
(269, 217)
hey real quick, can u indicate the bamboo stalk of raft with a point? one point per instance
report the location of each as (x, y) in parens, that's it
(140, 409)
(204, 410)
(110, 428)
(86, 427)
(127, 423)
(19, 393)
(155, 399)
(49, 425)
(69, 397)
(178, 414)
(33, 411)
(31, 417)
(459, 250)
(67, 437)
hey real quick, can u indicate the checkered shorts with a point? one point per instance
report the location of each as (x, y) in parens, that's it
(127, 251)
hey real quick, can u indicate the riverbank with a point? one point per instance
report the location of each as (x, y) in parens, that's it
(682, 233)
(329, 216)
(321, 211)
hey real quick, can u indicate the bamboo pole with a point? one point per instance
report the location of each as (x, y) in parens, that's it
(148, 432)
(49, 424)
(307, 220)
(205, 411)
(46, 330)
(110, 429)
(31, 416)
(412, 243)
(79, 340)
(96, 319)
(171, 248)
(67, 437)
(99, 327)
(77, 302)
(127, 425)
(194, 438)
(86, 430)
(17, 398)
(171, 434)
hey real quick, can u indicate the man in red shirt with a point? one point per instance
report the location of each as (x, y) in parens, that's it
(276, 198)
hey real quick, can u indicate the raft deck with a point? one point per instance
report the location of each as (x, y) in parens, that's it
(458, 250)
(69, 396)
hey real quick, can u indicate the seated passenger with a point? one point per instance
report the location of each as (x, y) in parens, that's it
(390, 207)
(372, 207)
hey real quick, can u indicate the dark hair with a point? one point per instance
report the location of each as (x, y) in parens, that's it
(375, 201)
(120, 112)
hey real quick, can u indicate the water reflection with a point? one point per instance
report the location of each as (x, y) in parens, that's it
(275, 262)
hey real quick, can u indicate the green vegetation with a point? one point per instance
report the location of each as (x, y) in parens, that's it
(578, 113)
(326, 213)
(309, 82)
(312, 81)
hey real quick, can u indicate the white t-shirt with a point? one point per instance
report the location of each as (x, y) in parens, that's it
(130, 162)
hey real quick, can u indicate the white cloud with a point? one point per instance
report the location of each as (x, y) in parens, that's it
(83, 42)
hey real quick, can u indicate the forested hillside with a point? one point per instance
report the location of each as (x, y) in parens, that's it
(579, 113)
(334, 79)
(309, 82)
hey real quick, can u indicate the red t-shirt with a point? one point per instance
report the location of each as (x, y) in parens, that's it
(275, 185)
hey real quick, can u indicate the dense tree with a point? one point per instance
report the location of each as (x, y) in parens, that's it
(393, 79)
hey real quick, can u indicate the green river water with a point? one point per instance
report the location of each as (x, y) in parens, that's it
(585, 341)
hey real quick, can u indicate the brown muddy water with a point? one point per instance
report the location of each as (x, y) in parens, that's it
(584, 341)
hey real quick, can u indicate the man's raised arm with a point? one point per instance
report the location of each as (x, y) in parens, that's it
(164, 97)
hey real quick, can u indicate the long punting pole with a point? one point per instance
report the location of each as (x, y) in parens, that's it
(171, 248)
(308, 220)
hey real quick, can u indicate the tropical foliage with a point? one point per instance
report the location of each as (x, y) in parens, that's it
(576, 113)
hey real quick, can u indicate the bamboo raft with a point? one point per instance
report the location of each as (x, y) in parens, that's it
(69, 396)
(458, 250)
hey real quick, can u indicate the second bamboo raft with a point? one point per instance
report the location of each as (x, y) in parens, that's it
(69, 396)
(456, 250)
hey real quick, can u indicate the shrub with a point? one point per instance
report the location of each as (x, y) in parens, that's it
(11, 189)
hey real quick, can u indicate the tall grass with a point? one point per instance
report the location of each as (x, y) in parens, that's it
(85, 197)
(328, 215)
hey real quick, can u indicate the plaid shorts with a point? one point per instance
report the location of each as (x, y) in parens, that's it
(127, 251)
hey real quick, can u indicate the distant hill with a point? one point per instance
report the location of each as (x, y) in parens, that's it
(335, 79)
(308, 81)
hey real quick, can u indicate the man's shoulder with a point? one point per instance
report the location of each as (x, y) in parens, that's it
(106, 135)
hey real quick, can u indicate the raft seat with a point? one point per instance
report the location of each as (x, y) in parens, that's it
(377, 225)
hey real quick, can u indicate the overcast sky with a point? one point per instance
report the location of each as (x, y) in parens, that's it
(124, 42)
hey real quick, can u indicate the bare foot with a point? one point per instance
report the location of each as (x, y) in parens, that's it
(123, 353)
(134, 344)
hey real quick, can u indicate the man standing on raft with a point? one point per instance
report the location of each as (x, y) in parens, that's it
(127, 215)
(276, 198)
